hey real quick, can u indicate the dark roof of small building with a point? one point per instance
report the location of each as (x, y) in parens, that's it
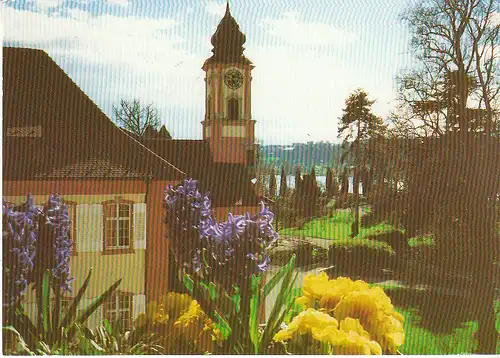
(52, 129)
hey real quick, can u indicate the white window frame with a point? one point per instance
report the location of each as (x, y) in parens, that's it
(116, 220)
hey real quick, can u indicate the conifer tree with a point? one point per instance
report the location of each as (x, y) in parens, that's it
(283, 185)
(272, 183)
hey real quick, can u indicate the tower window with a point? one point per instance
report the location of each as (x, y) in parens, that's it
(233, 109)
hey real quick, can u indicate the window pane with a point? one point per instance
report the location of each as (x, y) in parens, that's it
(124, 241)
(111, 233)
(110, 210)
(124, 224)
(124, 210)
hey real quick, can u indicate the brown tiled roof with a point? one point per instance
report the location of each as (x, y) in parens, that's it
(74, 131)
(92, 168)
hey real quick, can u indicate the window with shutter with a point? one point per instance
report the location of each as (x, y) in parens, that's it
(118, 225)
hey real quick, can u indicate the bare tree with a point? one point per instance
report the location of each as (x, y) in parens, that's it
(456, 85)
(134, 117)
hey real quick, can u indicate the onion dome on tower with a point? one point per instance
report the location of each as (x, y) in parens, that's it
(228, 42)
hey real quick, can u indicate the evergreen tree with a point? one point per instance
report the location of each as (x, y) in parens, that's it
(272, 183)
(344, 183)
(297, 179)
(356, 126)
(283, 185)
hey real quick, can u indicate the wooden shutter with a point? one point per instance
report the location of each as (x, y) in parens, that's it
(89, 227)
(139, 305)
(139, 226)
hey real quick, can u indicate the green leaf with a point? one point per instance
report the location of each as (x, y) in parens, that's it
(87, 312)
(20, 340)
(285, 289)
(108, 327)
(188, 282)
(222, 325)
(211, 288)
(254, 315)
(269, 286)
(70, 316)
(45, 304)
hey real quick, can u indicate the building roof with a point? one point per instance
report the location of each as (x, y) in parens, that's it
(227, 183)
(52, 129)
(228, 42)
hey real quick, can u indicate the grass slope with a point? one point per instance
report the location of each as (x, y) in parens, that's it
(336, 231)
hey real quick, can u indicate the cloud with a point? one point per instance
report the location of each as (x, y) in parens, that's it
(294, 31)
(495, 18)
(216, 8)
(118, 2)
(45, 5)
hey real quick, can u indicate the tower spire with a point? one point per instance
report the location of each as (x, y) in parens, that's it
(227, 7)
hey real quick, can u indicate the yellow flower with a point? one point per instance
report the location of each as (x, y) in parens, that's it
(388, 331)
(175, 304)
(337, 289)
(377, 315)
(315, 286)
(156, 313)
(327, 292)
(304, 322)
(350, 338)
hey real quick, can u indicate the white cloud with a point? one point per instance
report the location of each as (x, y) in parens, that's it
(294, 31)
(45, 5)
(216, 8)
(119, 2)
(495, 18)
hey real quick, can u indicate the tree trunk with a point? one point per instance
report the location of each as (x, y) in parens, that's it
(355, 225)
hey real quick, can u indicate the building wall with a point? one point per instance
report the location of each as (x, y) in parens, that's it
(87, 197)
(157, 258)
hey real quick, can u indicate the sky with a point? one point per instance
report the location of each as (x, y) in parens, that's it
(309, 56)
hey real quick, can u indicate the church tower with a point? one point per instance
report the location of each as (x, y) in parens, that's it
(228, 124)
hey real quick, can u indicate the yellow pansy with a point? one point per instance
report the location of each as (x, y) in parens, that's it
(356, 344)
(377, 315)
(349, 338)
(388, 331)
(315, 286)
(337, 289)
(304, 323)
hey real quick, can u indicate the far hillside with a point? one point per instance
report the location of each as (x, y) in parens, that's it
(306, 155)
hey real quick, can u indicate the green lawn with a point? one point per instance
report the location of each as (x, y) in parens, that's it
(421, 341)
(337, 231)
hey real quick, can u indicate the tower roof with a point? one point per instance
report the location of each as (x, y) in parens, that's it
(228, 42)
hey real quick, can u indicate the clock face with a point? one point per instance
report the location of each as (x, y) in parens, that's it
(233, 79)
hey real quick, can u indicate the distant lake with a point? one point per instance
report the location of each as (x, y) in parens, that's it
(321, 180)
